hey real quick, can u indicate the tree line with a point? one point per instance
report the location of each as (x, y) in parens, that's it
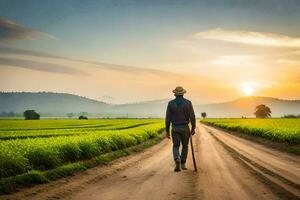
(261, 111)
(33, 115)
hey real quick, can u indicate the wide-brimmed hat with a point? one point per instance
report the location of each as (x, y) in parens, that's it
(179, 90)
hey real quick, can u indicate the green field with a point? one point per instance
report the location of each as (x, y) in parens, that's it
(279, 130)
(26, 146)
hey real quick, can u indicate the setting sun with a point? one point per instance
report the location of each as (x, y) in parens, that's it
(248, 89)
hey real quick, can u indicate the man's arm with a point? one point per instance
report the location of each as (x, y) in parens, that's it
(168, 120)
(192, 118)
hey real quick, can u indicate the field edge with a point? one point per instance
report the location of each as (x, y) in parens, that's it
(34, 177)
(293, 149)
(278, 184)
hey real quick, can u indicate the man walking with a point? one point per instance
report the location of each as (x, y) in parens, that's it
(180, 113)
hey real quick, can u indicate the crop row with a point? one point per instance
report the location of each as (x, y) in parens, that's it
(280, 130)
(17, 125)
(46, 124)
(21, 155)
(22, 133)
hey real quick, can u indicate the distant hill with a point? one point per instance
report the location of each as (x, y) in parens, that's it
(240, 107)
(245, 107)
(59, 104)
(155, 108)
(47, 102)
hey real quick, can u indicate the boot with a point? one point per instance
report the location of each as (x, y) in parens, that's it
(177, 166)
(183, 166)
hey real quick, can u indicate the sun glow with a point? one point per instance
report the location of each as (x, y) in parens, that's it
(248, 89)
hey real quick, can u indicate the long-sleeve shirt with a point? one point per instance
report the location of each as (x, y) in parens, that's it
(180, 111)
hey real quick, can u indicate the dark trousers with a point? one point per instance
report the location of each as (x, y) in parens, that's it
(180, 135)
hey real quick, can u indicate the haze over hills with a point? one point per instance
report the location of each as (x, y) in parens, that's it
(48, 103)
(245, 107)
(59, 104)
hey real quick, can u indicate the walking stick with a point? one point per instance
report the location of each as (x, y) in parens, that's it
(192, 148)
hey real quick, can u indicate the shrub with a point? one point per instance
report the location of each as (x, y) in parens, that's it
(88, 150)
(70, 152)
(43, 159)
(31, 114)
(82, 117)
(12, 164)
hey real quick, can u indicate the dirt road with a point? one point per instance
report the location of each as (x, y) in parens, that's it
(228, 168)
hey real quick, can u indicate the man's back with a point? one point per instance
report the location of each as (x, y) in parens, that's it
(180, 112)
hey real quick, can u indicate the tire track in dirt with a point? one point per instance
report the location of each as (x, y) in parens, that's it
(280, 170)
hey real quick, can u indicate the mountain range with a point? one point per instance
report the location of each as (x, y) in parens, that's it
(59, 104)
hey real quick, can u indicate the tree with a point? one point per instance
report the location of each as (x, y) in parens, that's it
(82, 117)
(70, 115)
(31, 114)
(291, 116)
(262, 111)
(203, 114)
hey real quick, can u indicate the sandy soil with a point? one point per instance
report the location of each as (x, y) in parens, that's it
(228, 168)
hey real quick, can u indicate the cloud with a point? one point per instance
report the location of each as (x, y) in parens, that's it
(249, 37)
(233, 60)
(132, 69)
(101, 65)
(288, 62)
(11, 31)
(40, 66)
(17, 51)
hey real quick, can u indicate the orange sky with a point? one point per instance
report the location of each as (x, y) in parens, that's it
(268, 70)
(141, 51)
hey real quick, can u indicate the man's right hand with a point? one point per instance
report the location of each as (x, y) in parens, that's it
(168, 135)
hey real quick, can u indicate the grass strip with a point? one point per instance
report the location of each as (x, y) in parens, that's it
(274, 129)
(281, 146)
(33, 177)
(20, 156)
(26, 136)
